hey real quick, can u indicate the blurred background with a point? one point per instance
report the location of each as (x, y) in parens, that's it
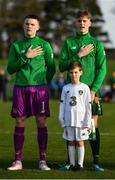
(57, 19)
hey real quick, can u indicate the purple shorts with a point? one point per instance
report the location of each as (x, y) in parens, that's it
(30, 101)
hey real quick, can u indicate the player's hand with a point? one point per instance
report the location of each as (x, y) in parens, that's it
(92, 96)
(85, 50)
(31, 53)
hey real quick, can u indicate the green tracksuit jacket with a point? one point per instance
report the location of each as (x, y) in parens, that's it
(94, 64)
(35, 71)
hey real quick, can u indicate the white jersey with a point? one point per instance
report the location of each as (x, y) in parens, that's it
(75, 106)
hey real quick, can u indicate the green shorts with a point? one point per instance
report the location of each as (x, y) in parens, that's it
(97, 107)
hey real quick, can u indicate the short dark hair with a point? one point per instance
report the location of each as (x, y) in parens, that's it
(32, 16)
(82, 13)
(74, 65)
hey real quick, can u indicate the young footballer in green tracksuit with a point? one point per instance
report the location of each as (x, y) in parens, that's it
(31, 59)
(33, 71)
(89, 51)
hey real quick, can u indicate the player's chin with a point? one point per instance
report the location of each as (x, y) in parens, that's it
(29, 34)
(82, 31)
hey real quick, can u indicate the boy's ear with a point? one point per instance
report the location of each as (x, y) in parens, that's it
(38, 27)
(90, 24)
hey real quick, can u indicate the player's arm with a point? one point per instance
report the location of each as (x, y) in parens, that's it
(100, 67)
(15, 60)
(50, 63)
(62, 109)
(64, 60)
(87, 122)
(66, 56)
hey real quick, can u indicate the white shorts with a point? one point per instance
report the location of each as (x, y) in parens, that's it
(75, 134)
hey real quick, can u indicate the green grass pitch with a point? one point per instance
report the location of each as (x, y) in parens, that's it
(56, 147)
